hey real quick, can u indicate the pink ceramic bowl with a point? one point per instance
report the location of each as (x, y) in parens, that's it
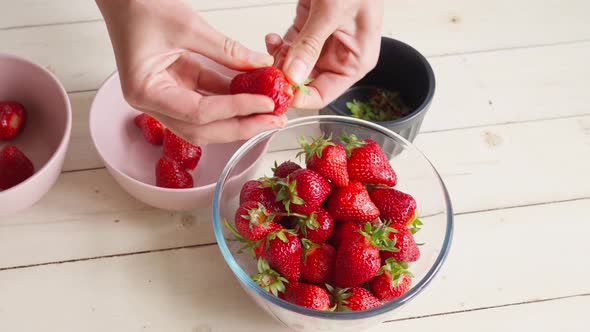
(131, 160)
(46, 135)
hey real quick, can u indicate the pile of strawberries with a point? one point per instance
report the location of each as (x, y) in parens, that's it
(15, 166)
(179, 156)
(334, 235)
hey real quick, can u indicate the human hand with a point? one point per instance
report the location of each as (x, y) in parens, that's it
(335, 43)
(159, 48)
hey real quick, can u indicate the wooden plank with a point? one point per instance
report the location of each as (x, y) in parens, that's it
(496, 167)
(42, 12)
(533, 84)
(497, 258)
(89, 58)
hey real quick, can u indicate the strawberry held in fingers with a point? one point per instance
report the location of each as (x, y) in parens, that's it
(392, 281)
(12, 119)
(353, 299)
(367, 163)
(352, 203)
(152, 129)
(394, 205)
(303, 191)
(170, 174)
(327, 158)
(188, 155)
(283, 252)
(254, 221)
(358, 259)
(309, 296)
(268, 81)
(15, 167)
(316, 227)
(317, 265)
(407, 249)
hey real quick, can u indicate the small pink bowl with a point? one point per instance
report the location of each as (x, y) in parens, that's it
(131, 160)
(46, 135)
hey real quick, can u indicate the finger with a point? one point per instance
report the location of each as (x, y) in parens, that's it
(189, 106)
(224, 50)
(307, 45)
(323, 90)
(190, 73)
(273, 43)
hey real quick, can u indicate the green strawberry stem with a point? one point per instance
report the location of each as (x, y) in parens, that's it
(248, 244)
(288, 194)
(315, 148)
(415, 223)
(351, 142)
(378, 236)
(269, 279)
(396, 269)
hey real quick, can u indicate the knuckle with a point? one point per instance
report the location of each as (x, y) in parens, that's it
(311, 45)
(134, 94)
(232, 48)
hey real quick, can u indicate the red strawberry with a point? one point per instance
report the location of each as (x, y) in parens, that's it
(303, 191)
(269, 279)
(317, 265)
(152, 129)
(268, 81)
(261, 191)
(408, 250)
(354, 299)
(170, 174)
(327, 158)
(12, 119)
(186, 154)
(309, 296)
(256, 247)
(316, 227)
(352, 203)
(394, 205)
(15, 167)
(358, 259)
(254, 221)
(283, 253)
(367, 163)
(285, 168)
(392, 281)
(342, 231)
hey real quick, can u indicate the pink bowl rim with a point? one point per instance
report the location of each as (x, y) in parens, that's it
(109, 166)
(63, 143)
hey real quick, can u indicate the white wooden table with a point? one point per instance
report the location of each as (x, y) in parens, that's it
(509, 130)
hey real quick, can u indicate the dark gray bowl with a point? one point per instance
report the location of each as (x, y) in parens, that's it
(400, 68)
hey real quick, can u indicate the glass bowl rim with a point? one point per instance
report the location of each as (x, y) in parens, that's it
(245, 279)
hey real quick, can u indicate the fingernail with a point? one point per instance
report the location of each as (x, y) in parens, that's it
(261, 59)
(296, 71)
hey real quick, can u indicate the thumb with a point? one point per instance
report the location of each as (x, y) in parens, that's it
(216, 46)
(307, 47)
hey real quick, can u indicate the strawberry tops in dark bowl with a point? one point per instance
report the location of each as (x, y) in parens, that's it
(292, 232)
(396, 94)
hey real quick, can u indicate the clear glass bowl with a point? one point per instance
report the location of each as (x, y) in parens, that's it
(416, 175)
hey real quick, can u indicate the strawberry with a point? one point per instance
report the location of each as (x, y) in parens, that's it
(15, 167)
(327, 158)
(317, 265)
(13, 117)
(254, 221)
(170, 174)
(309, 296)
(395, 206)
(316, 227)
(403, 238)
(186, 154)
(392, 281)
(152, 129)
(342, 231)
(283, 253)
(353, 299)
(269, 279)
(261, 191)
(367, 163)
(358, 259)
(268, 81)
(303, 191)
(285, 168)
(352, 203)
